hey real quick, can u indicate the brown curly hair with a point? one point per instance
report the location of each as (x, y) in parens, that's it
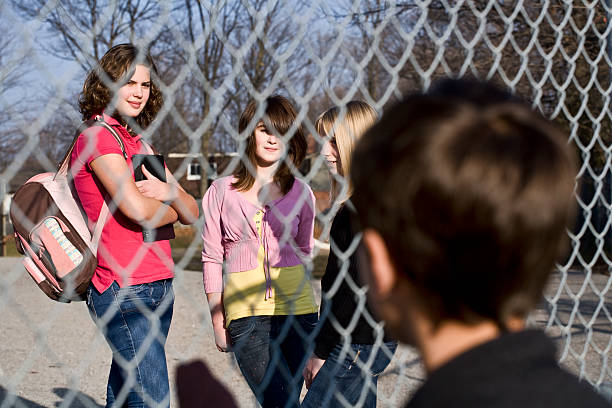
(116, 67)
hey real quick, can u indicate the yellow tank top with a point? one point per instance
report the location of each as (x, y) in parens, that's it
(244, 293)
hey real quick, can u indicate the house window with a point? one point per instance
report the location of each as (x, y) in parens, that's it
(194, 171)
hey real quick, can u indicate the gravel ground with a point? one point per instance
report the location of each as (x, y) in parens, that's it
(52, 356)
(45, 364)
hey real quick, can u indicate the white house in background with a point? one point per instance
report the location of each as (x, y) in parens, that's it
(192, 173)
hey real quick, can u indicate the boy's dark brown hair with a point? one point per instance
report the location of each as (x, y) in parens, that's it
(471, 198)
(279, 117)
(114, 70)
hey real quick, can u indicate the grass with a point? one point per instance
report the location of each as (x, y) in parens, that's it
(9, 246)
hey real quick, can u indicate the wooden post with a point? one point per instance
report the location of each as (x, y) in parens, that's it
(3, 217)
(3, 234)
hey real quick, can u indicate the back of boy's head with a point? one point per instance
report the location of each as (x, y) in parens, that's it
(472, 198)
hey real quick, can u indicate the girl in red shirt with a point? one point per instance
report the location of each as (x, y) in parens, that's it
(130, 297)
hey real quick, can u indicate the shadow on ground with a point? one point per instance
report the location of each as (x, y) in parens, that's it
(11, 400)
(74, 399)
(70, 398)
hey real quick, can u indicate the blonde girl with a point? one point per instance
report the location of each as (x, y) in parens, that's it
(337, 371)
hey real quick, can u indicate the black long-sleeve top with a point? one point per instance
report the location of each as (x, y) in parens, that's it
(514, 370)
(344, 302)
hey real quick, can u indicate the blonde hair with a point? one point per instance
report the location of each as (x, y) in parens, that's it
(346, 124)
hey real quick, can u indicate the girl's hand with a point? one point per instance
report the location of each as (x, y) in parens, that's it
(217, 317)
(222, 338)
(153, 187)
(312, 368)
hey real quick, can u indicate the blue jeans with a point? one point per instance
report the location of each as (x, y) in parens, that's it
(271, 352)
(351, 377)
(135, 321)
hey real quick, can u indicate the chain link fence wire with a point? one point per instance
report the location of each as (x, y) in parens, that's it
(213, 57)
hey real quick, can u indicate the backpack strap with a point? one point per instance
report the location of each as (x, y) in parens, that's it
(98, 120)
(97, 232)
(148, 147)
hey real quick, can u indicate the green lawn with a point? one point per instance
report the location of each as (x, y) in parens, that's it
(9, 248)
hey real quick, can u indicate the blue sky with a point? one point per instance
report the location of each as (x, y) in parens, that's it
(43, 77)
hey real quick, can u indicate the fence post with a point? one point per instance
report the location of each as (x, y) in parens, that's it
(608, 237)
(3, 213)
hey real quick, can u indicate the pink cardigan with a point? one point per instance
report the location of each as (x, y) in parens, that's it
(230, 234)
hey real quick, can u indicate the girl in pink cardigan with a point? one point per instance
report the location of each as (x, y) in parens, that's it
(258, 229)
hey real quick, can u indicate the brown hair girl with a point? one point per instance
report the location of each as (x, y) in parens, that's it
(279, 117)
(113, 70)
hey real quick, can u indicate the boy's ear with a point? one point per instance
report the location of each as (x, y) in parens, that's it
(382, 271)
(390, 294)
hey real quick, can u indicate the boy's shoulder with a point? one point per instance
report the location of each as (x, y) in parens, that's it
(516, 369)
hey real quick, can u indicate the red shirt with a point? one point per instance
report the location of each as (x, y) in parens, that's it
(123, 256)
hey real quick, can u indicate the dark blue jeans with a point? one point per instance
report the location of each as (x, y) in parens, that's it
(135, 321)
(271, 352)
(350, 377)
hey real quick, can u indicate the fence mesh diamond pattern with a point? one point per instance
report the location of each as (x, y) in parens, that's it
(213, 58)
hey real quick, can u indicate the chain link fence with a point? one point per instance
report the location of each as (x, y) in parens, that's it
(213, 57)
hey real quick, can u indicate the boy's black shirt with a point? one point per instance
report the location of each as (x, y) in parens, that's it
(515, 370)
(344, 302)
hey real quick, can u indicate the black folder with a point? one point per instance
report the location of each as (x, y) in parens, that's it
(153, 162)
(155, 165)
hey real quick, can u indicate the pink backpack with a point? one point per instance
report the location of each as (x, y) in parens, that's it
(51, 229)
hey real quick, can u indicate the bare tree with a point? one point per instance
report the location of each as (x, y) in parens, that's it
(81, 31)
(221, 53)
(84, 30)
(12, 69)
(552, 54)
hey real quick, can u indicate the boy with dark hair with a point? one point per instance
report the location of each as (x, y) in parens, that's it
(464, 204)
